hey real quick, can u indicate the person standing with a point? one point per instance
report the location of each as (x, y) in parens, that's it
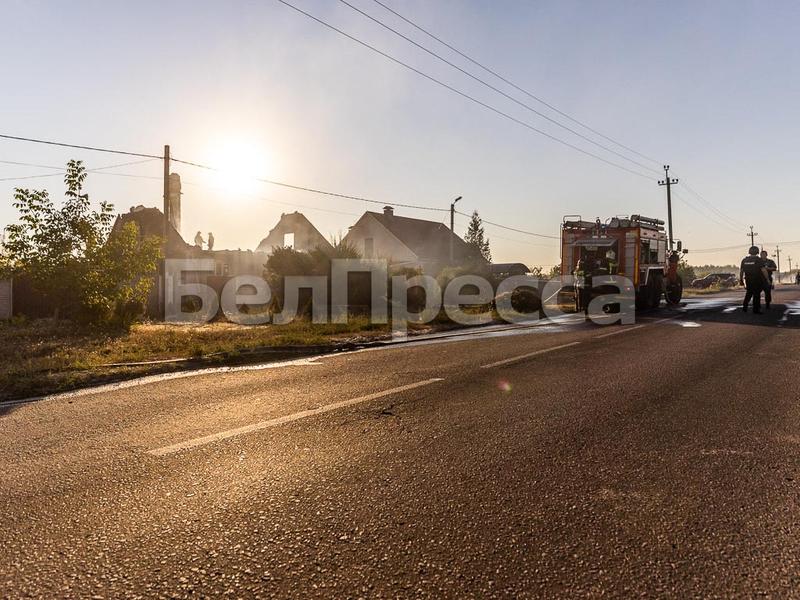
(770, 284)
(580, 283)
(587, 266)
(210, 241)
(753, 274)
(198, 240)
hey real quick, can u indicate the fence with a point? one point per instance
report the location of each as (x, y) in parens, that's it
(6, 299)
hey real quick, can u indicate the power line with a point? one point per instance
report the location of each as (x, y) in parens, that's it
(512, 84)
(540, 235)
(360, 198)
(507, 239)
(315, 191)
(460, 93)
(491, 87)
(98, 170)
(713, 208)
(63, 145)
(40, 176)
(708, 204)
(270, 200)
(709, 217)
(23, 164)
(263, 180)
(737, 246)
(723, 249)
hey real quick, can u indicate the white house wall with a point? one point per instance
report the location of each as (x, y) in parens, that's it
(386, 245)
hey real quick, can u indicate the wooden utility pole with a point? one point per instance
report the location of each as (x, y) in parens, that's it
(778, 256)
(752, 235)
(166, 193)
(452, 226)
(669, 183)
(162, 297)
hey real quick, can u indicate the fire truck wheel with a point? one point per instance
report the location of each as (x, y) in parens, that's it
(675, 291)
(656, 286)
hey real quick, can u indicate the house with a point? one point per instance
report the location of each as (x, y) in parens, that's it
(151, 222)
(294, 230)
(407, 242)
(227, 263)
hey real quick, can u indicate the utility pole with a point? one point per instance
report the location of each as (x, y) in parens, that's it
(162, 297)
(166, 192)
(452, 225)
(669, 183)
(790, 269)
(752, 235)
(778, 256)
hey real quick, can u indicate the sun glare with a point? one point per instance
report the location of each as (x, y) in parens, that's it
(240, 164)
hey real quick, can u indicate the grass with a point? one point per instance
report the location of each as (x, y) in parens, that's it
(714, 289)
(46, 356)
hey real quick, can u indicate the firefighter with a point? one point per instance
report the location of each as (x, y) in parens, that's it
(753, 273)
(611, 259)
(770, 284)
(583, 283)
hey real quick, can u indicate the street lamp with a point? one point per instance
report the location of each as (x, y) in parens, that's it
(452, 225)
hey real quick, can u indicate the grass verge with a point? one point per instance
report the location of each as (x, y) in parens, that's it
(46, 356)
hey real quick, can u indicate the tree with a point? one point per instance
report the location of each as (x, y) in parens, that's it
(475, 237)
(555, 272)
(119, 275)
(283, 262)
(686, 271)
(70, 257)
(537, 272)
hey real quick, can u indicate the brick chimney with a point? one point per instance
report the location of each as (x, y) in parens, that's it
(175, 201)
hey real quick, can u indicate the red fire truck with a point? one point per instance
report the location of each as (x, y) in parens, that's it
(634, 247)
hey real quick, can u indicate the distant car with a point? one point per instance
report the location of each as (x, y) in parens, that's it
(721, 279)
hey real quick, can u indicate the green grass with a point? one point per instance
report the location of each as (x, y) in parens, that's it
(45, 356)
(714, 289)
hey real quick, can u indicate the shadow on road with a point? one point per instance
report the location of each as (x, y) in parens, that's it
(784, 312)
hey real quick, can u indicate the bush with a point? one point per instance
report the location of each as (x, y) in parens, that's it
(74, 260)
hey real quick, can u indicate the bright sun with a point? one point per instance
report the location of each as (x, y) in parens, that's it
(240, 163)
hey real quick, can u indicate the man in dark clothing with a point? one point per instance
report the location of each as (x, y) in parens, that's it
(771, 268)
(583, 283)
(753, 274)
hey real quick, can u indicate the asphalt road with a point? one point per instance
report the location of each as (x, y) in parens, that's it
(660, 459)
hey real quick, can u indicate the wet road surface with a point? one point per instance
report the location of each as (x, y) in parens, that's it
(661, 458)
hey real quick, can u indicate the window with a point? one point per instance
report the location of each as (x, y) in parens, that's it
(369, 247)
(288, 240)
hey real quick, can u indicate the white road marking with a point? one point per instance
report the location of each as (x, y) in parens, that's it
(618, 331)
(513, 359)
(147, 379)
(215, 437)
(626, 329)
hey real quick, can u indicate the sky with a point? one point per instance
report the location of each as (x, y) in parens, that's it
(711, 88)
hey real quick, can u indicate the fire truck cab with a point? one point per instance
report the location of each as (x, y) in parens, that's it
(634, 247)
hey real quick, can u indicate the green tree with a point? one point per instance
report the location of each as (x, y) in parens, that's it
(537, 272)
(119, 275)
(686, 271)
(283, 262)
(70, 258)
(475, 237)
(555, 272)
